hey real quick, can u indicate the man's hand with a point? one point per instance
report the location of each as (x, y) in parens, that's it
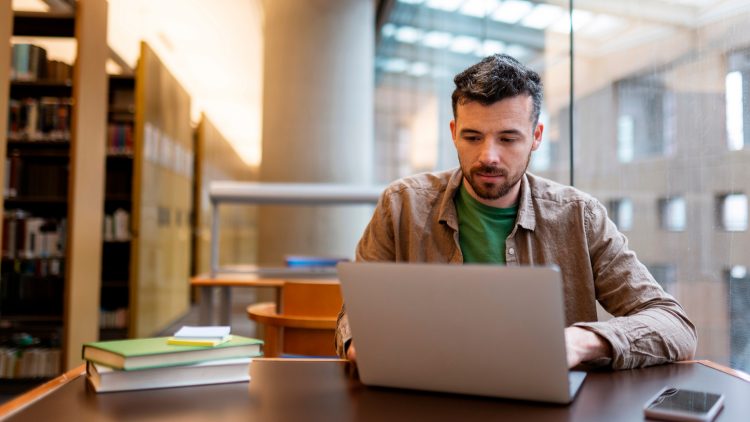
(583, 345)
(351, 352)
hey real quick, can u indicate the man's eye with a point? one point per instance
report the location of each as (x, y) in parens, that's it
(508, 140)
(472, 138)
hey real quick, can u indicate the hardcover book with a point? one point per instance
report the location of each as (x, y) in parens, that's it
(136, 354)
(105, 379)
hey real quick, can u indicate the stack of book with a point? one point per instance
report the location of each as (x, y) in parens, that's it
(162, 362)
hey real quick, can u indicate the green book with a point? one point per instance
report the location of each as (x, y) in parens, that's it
(143, 353)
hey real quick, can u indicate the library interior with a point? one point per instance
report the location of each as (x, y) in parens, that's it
(191, 163)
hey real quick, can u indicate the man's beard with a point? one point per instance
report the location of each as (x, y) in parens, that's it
(492, 191)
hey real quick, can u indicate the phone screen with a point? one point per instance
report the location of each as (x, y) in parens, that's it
(684, 400)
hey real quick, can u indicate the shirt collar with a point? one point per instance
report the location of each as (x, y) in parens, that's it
(447, 211)
(526, 214)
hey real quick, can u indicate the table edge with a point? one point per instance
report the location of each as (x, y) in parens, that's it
(30, 397)
(18, 403)
(721, 368)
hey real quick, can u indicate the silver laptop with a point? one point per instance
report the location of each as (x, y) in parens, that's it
(471, 329)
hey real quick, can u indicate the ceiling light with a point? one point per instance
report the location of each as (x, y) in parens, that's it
(602, 25)
(419, 69)
(517, 51)
(411, 1)
(437, 39)
(490, 47)
(447, 5)
(394, 65)
(580, 18)
(464, 44)
(408, 34)
(512, 11)
(388, 30)
(479, 8)
(542, 16)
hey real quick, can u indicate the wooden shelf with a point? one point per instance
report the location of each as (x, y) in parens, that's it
(120, 156)
(41, 88)
(115, 284)
(118, 198)
(114, 109)
(44, 24)
(21, 200)
(38, 144)
(44, 154)
(31, 318)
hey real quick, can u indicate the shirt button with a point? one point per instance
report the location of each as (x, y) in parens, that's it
(511, 251)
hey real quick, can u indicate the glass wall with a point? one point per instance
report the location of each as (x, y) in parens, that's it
(661, 125)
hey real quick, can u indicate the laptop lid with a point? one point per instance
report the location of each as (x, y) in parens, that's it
(472, 329)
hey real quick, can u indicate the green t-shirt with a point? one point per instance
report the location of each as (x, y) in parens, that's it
(482, 229)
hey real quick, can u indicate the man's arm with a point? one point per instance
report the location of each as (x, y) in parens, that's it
(649, 327)
(377, 244)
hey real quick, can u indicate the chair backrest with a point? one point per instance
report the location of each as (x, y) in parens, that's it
(311, 298)
(307, 321)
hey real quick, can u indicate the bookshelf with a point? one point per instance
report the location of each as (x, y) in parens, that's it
(52, 174)
(162, 198)
(114, 316)
(32, 271)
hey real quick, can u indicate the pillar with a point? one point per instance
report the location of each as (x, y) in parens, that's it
(317, 120)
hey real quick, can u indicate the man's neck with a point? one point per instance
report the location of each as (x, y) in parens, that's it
(508, 200)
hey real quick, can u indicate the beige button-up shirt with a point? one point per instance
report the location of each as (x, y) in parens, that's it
(416, 221)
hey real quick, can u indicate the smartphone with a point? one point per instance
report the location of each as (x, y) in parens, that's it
(675, 404)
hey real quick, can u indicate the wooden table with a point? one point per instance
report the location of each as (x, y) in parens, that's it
(312, 390)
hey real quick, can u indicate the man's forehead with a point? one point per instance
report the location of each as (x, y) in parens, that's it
(523, 101)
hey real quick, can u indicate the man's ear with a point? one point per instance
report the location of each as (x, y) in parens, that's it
(537, 136)
(453, 130)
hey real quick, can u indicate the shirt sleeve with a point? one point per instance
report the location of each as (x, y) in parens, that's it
(649, 327)
(377, 244)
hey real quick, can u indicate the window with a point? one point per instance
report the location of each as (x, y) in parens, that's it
(621, 213)
(738, 288)
(644, 126)
(733, 212)
(737, 106)
(665, 275)
(673, 214)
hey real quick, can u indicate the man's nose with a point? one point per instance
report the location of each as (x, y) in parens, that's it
(490, 153)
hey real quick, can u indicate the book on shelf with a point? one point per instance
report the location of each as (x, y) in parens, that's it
(29, 63)
(29, 237)
(119, 139)
(296, 261)
(138, 354)
(201, 336)
(30, 362)
(117, 226)
(106, 379)
(39, 119)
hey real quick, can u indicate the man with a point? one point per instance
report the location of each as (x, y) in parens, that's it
(492, 210)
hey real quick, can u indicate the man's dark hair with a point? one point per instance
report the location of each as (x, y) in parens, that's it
(496, 78)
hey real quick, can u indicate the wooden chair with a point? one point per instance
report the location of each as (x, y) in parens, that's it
(307, 323)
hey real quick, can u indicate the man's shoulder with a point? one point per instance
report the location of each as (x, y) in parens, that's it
(548, 190)
(423, 184)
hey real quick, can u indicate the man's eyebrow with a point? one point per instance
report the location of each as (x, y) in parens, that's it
(470, 131)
